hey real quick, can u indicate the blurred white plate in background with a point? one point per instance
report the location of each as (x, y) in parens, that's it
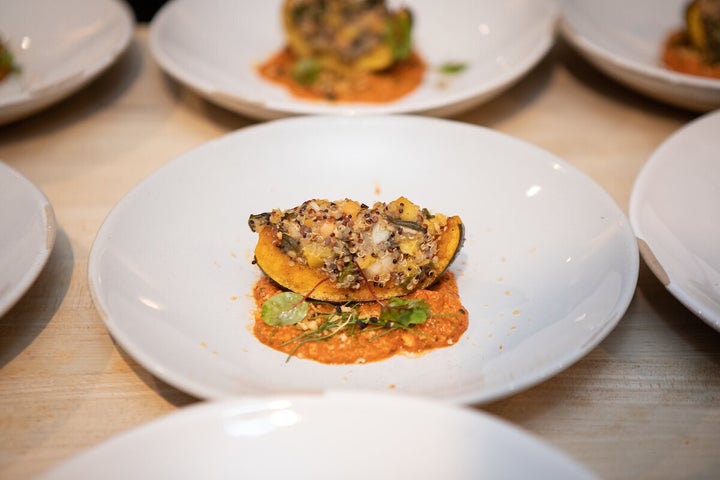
(625, 40)
(214, 46)
(27, 235)
(60, 46)
(322, 437)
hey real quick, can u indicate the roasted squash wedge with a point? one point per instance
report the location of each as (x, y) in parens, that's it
(702, 21)
(346, 251)
(347, 35)
(695, 50)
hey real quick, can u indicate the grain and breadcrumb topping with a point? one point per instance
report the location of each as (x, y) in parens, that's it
(384, 244)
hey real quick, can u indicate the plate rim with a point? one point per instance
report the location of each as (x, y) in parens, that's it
(211, 411)
(666, 275)
(40, 200)
(638, 75)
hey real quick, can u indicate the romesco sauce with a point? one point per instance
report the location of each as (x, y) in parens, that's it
(449, 320)
(367, 87)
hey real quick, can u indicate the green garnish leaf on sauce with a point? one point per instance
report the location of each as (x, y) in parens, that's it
(7, 62)
(285, 308)
(405, 312)
(289, 308)
(452, 68)
(6, 59)
(306, 71)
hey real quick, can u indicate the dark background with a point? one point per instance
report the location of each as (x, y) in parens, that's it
(145, 9)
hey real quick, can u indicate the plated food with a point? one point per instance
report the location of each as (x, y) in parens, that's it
(217, 54)
(627, 43)
(345, 250)
(695, 49)
(377, 275)
(547, 268)
(346, 51)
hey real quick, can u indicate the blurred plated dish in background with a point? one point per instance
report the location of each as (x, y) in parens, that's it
(695, 49)
(626, 40)
(471, 53)
(346, 51)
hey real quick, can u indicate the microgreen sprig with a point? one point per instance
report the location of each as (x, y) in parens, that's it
(288, 308)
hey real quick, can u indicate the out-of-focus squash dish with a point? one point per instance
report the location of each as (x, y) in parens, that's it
(346, 51)
(696, 48)
(350, 283)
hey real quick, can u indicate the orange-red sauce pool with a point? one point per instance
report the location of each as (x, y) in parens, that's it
(449, 320)
(678, 55)
(377, 87)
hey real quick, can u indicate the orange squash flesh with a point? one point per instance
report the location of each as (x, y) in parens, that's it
(313, 282)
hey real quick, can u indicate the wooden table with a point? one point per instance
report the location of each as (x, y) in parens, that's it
(644, 404)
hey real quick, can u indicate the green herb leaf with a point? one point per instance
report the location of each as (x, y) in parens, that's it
(452, 68)
(285, 308)
(6, 59)
(306, 71)
(398, 36)
(407, 224)
(405, 312)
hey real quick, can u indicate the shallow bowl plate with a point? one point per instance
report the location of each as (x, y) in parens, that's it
(548, 267)
(334, 435)
(674, 213)
(60, 46)
(214, 47)
(27, 235)
(625, 40)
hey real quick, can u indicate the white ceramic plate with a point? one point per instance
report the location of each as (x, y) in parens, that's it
(335, 435)
(214, 46)
(27, 235)
(674, 212)
(548, 267)
(625, 40)
(60, 46)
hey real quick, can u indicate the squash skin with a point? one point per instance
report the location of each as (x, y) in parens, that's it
(312, 282)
